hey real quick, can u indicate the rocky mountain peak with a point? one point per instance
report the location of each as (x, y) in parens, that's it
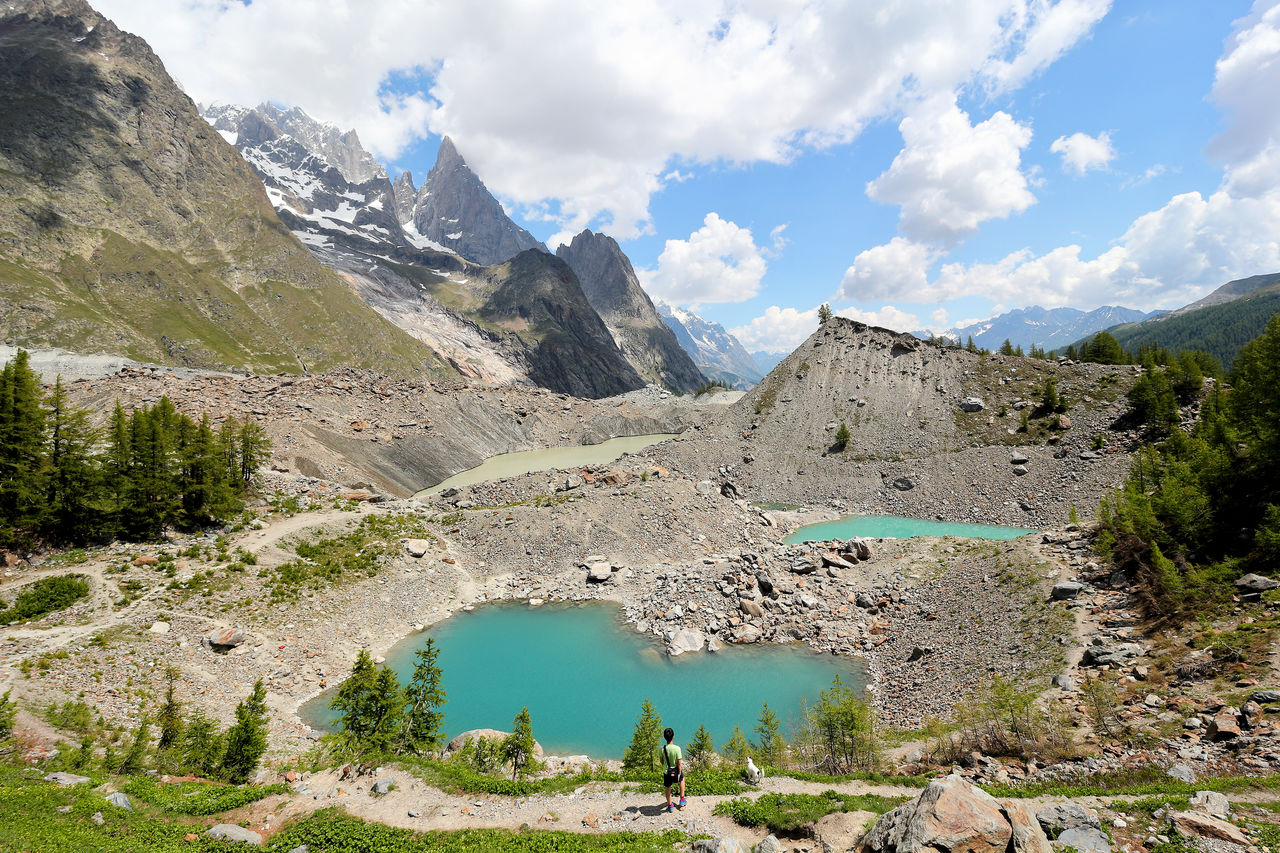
(406, 194)
(611, 286)
(454, 209)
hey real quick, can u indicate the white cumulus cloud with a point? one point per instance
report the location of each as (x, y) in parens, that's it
(896, 269)
(952, 175)
(1081, 152)
(720, 262)
(579, 110)
(1167, 257)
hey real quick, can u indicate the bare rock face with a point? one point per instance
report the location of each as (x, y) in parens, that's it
(612, 288)
(1202, 825)
(950, 815)
(456, 210)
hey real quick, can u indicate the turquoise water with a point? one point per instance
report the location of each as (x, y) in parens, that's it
(583, 674)
(892, 526)
(548, 459)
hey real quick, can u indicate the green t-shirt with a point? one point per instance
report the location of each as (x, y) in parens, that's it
(670, 755)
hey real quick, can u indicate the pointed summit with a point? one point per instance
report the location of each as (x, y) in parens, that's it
(612, 288)
(456, 210)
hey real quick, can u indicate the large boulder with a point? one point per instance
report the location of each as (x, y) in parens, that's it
(950, 815)
(686, 640)
(1065, 590)
(1252, 583)
(1190, 824)
(1028, 837)
(727, 844)
(484, 734)
(231, 832)
(226, 638)
(972, 404)
(67, 779)
(1060, 817)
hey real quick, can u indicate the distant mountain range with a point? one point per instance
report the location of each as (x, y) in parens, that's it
(1048, 328)
(442, 261)
(1220, 323)
(718, 354)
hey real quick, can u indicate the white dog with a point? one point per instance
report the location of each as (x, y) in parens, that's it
(753, 772)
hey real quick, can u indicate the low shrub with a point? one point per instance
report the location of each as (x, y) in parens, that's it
(789, 812)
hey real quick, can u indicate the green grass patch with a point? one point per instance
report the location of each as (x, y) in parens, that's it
(46, 596)
(874, 778)
(199, 798)
(788, 812)
(345, 557)
(333, 831)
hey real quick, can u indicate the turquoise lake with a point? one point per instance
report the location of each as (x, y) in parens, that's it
(891, 526)
(584, 673)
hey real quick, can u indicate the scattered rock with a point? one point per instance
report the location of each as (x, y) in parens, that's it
(1060, 817)
(719, 845)
(972, 404)
(770, 844)
(1182, 772)
(1083, 839)
(1224, 726)
(383, 786)
(903, 484)
(1017, 457)
(417, 548)
(120, 800)
(159, 628)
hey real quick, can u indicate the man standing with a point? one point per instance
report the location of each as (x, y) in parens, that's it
(673, 768)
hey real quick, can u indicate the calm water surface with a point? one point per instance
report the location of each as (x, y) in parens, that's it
(549, 459)
(890, 526)
(583, 673)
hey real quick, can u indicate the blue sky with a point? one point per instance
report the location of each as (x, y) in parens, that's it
(915, 163)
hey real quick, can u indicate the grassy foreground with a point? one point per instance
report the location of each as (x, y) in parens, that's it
(31, 822)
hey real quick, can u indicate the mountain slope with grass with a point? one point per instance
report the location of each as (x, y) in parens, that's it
(1219, 324)
(128, 225)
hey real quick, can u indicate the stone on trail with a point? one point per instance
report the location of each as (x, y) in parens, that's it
(599, 572)
(159, 628)
(972, 404)
(231, 832)
(1019, 470)
(1017, 457)
(417, 547)
(383, 786)
(719, 845)
(1182, 772)
(951, 814)
(1065, 590)
(903, 484)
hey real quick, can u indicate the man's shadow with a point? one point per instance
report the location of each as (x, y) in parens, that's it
(649, 811)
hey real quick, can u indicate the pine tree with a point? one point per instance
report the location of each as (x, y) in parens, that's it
(842, 438)
(737, 749)
(22, 462)
(202, 745)
(518, 746)
(701, 747)
(422, 731)
(135, 759)
(170, 716)
(246, 740)
(824, 313)
(771, 746)
(370, 703)
(71, 479)
(642, 753)
(8, 715)
(1006, 348)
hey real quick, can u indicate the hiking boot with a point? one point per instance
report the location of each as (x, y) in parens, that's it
(670, 808)
(682, 802)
